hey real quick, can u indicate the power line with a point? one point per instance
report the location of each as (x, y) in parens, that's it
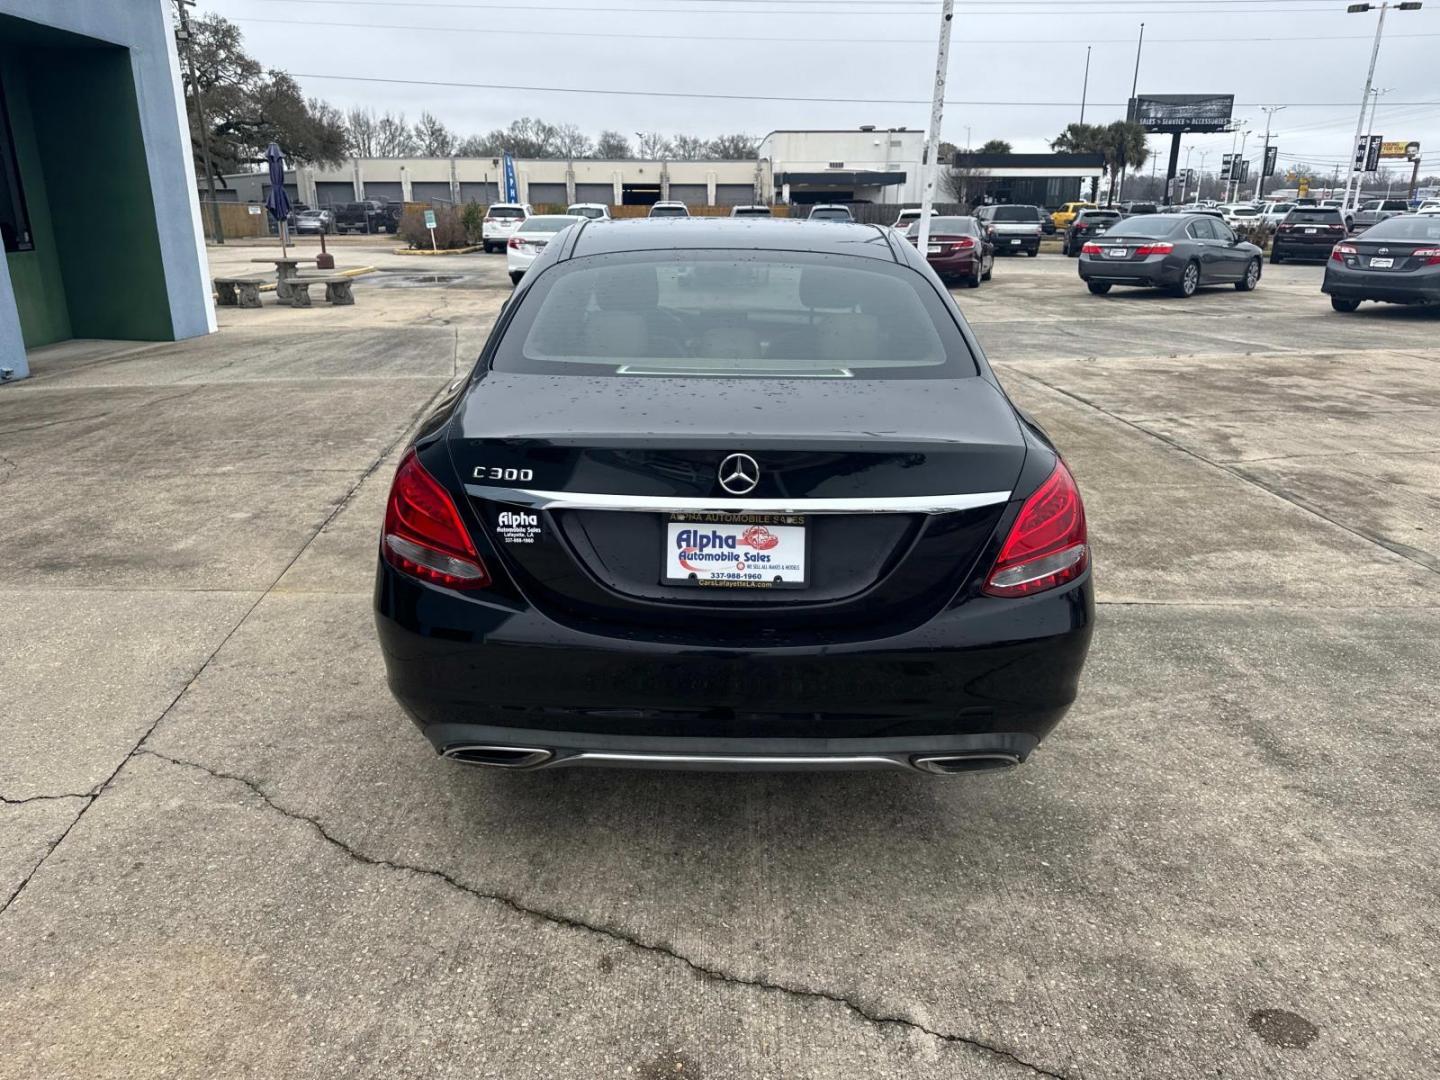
(809, 40)
(771, 97)
(1007, 6)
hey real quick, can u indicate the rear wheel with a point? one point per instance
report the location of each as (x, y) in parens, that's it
(1099, 288)
(1339, 303)
(1189, 280)
(1251, 278)
(1033, 252)
(973, 281)
(989, 269)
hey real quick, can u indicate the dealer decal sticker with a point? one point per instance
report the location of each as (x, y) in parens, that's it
(517, 527)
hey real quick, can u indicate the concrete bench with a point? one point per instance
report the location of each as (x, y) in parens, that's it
(238, 291)
(339, 290)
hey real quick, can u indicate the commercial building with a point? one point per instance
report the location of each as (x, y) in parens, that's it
(1046, 180)
(98, 212)
(864, 164)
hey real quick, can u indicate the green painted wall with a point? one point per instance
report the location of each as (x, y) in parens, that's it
(102, 211)
(34, 275)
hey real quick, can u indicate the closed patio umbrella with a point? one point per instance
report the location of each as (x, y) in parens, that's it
(278, 203)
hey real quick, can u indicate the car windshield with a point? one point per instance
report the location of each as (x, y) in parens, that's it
(548, 223)
(1143, 208)
(1315, 216)
(1014, 213)
(1410, 227)
(945, 226)
(586, 211)
(669, 211)
(752, 211)
(777, 314)
(1280, 208)
(830, 214)
(1244, 211)
(1099, 215)
(505, 212)
(1144, 225)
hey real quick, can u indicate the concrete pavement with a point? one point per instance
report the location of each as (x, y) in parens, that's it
(228, 853)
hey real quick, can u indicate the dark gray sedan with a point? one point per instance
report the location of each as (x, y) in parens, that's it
(1179, 252)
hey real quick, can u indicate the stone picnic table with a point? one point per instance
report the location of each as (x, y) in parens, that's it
(286, 271)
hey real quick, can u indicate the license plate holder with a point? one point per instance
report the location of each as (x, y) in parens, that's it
(1381, 264)
(736, 551)
(1310, 232)
(1118, 253)
(934, 249)
(1016, 242)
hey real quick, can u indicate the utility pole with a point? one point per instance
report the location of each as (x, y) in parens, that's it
(1134, 85)
(932, 137)
(1269, 111)
(1085, 86)
(183, 37)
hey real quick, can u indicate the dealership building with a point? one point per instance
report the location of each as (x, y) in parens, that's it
(112, 252)
(856, 165)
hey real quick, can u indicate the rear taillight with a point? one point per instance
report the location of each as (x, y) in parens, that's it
(963, 243)
(1339, 251)
(1430, 255)
(1154, 249)
(515, 242)
(1047, 545)
(489, 221)
(424, 536)
(1090, 249)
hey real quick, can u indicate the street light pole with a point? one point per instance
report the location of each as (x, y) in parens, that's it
(932, 137)
(1085, 87)
(1355, 9)
(1270, 111)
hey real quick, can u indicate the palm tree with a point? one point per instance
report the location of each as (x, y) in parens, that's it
(1078, 139)
(1124, 145)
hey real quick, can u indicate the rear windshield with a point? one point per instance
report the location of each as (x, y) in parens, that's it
(835, 214)
(587, 211)
(1145, 225)
(780, 314)
(547, 223)
(669, 211)
(752, 211)
(1306, 215)
(1143, 208)
(505, 212)
(1015, 213)
(1410, 227)
(946, 226)
(1091, 215)
(1244, 211)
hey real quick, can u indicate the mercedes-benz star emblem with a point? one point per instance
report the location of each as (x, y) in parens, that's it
(739, 474)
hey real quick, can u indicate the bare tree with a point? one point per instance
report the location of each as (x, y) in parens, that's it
(571, 142)
(433, 138)
(360, 125)
(612, 146)
(479, 146)
(688, 148)
(653, 145)
(393, 137)
(739, 147)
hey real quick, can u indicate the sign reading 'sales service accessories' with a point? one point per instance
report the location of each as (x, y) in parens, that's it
(1182, 112)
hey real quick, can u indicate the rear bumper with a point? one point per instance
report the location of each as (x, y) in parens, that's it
(1026, 243)
(955, 265)
(1153, 270)
(1415, 287)
(1287, 248)
(988, 677)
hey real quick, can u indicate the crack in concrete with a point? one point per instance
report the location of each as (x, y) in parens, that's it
(622, 937)
(41, 798)
(53, 423)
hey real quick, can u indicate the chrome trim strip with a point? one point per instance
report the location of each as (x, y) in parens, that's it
(725, 761)
(738, 504)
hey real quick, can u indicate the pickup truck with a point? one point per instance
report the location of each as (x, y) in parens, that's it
(367, 216)
(1376, 211)
(1013, 228)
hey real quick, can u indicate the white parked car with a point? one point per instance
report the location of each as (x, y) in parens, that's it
(1274, 212)
(595, 211)
(1429, 206)
(1240, 214)
(669, 208)
(501, 221)
(750, 211)
(530, 239)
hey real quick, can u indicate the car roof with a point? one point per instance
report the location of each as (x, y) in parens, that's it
(752, 234)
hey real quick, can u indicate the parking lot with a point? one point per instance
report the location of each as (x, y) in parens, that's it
(228, 853)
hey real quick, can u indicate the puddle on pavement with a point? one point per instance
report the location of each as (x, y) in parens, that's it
(392, 280)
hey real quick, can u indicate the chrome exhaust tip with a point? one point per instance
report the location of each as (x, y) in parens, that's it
(497, 757)
(950, 764)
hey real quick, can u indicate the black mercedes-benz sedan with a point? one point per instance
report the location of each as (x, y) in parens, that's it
(741, 495)
(1394, 262)
(1179, 252)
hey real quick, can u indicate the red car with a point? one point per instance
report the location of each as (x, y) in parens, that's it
(959, 247)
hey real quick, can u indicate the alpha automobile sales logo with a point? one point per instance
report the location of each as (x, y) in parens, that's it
(759, 538)
(714, 547)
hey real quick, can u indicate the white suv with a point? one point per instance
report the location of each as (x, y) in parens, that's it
(669, 208)
(595, 211)
(501, 221)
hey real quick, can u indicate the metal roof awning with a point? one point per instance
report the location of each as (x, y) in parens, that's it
(842, 177)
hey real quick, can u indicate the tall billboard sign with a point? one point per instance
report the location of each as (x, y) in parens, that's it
(1178, 113)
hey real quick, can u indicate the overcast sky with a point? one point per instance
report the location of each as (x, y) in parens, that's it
(881, 51)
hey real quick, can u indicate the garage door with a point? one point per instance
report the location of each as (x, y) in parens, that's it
(389, 190)
(333, 192)
(690, 194)
(431, 191)
(601, 193)
(547, 193)
(477, 191)
(734, 194)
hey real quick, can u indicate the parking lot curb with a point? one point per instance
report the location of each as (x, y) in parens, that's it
(442, 251)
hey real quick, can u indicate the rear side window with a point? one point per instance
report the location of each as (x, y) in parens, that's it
(782, 314)
(1397, 205)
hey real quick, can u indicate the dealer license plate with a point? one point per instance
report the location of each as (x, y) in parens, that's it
(1310, 232)
(1119, 253)
(1015, 242)
(1381, 264)
(934, 249)
(746, 551)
